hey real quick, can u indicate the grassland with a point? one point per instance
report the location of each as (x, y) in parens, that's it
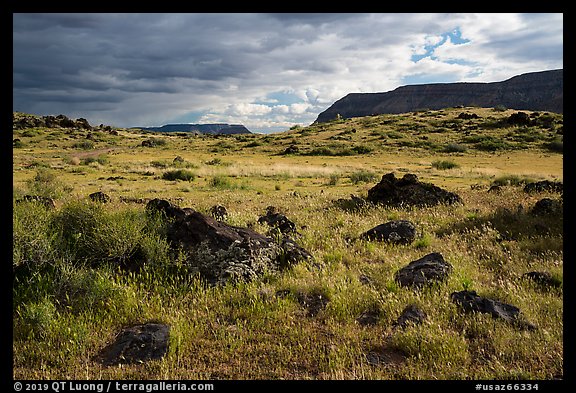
(70, 298)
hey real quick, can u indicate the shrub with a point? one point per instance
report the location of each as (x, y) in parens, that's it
(454, 148)
(36, 318)
(556, 146)
(46, 183)
(91, 235)
(220, 181)
(362, 176)
(32, 238)
(179, 174)
(334, 178)
(444, 164)
(102, 159)
(85, 145)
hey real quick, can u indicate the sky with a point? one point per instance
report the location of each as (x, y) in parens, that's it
(269, 72)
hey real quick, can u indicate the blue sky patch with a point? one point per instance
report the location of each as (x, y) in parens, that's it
(455, 36)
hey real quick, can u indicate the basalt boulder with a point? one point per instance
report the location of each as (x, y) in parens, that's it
(222, 252)
(136, 344)
(409, 191)
(426, 270)
(396, 231)
(470, 301)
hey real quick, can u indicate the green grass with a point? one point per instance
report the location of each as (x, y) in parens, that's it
(85, 270)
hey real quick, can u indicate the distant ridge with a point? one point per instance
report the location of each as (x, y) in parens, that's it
(216, 128)
(538, 91)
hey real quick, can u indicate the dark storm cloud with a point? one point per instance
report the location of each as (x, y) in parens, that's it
(147, 69)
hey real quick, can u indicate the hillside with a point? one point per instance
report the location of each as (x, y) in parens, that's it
(542, 91)
(260, 256)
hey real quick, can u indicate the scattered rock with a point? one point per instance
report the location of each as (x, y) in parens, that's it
(167, 209)
(313, 302)
(46, 201)
(547, 206)
(469, 301)
(219, 212)
(385, 356)
(543, 279)
(412, 314)
(519, 119)
(277, 220)
(369, 317)
(355, 203)
(544, 186)
(431, 267)
(409, 191)
(99, 196)
(468, 116)
(397, 232)
(292, 149)
(136, 344)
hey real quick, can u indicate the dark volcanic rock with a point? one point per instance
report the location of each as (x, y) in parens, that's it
(219, 212)
(99, 196)
(46, 201)
(136, 344)
(165, 208)
(412, 314)
(541, 91)
(397, 231)
(369, 317)
(469, 301)
(220, 252)
(547, 206)
(277, 220)
(409, 191)
(543, 279)
(429, 268)
(544, 185)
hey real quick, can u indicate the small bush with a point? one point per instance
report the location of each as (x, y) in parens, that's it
(556, 146)
(221, 182)
(47, 184)
(84, 145)
(32, 238)
(101, 159)
(334, 178)
(362, 176)
(454, 148)
(179, 174)
(444, 164)
(36, 318)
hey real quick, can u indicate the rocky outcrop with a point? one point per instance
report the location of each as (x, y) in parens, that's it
(136, 344)
(538, 91)
(220, 252)
(426, 270)
(409, 191)
(395, 231)
(21, 121)
(470, 301)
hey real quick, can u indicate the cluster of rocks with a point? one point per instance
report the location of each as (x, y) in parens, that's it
(21, 121)
(221, 253)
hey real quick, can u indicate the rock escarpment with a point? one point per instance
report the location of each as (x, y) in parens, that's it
(538, 91)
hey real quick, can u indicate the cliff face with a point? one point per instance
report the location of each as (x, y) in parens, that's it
(539, 91)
